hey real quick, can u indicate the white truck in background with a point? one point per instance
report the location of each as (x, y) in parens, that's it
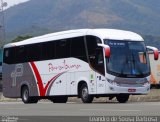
(1, 57)
(155, 71)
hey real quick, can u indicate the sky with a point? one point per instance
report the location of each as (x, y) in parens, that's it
(13, 2)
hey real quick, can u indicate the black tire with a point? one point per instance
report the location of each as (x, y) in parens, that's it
(122, 98)
(59, 99)
(84, 94)
(26, 97)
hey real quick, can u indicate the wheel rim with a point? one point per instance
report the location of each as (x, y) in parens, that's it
(25, 95)
(85, 93)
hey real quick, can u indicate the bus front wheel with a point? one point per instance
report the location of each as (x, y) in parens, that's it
(122, 98)
(25, 96)
(86, 98)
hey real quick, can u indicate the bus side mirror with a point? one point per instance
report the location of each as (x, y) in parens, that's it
(107, 49)
(155, 52)
(107, 52)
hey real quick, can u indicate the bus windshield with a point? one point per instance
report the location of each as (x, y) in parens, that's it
(128, 59)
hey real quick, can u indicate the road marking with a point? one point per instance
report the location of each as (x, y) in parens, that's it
(127, 110)
(10, 103)
(16, 108)
(110, 110)
(13, 108)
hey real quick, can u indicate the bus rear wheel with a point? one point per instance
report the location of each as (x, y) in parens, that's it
(25, 96)
(122, 98)
(59, 99)
(84, 94)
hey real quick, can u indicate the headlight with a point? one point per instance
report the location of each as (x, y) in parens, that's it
(146, 84)
(112, 82)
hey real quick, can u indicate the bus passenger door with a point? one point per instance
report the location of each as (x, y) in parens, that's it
(100, 84)
(100, 72)
(96, 60)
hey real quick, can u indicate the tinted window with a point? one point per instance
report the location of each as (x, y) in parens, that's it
(34, 53)
(95, 53)
(92, 44)
(9, 55)
(78, 48)
(128, 59)
(48, 50)
(63, 48)
(66, 48)
(21, 54)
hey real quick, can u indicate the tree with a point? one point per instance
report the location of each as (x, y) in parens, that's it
(20, 38)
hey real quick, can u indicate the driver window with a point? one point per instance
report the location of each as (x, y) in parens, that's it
(95, 54)
(100, 58)
(100, 61)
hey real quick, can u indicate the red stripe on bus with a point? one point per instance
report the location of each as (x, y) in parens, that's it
(50, 82)
(38, 77)
(43, 89)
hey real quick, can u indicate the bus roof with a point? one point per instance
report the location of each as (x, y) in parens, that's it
(101, 33)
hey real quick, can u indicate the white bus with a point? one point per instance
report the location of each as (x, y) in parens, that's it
(86, 63)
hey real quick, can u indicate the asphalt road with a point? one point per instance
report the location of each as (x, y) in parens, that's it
(79, 112)
(80, 109)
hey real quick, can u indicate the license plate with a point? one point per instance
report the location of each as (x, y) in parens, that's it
(131, 90)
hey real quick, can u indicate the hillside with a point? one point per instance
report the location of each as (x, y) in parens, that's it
(37, 17)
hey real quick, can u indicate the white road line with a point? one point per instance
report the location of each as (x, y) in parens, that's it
(13, 108)
(127, 110)
(112, 110)
(11, 103)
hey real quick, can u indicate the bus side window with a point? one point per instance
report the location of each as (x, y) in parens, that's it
(100, 58)
(21, 54)
(49, 50)
(100, 61)
(6, 56)
(9, 56)
(78, 48)
(35, 51)
(95, 54)
(63, 48)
